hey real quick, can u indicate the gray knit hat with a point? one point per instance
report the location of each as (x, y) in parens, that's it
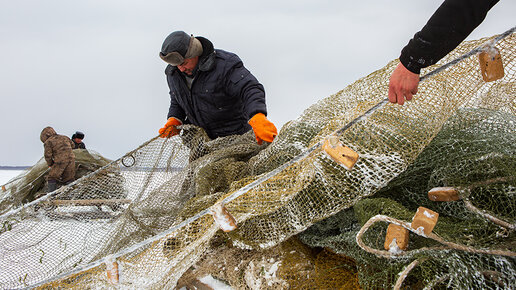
(179, 46)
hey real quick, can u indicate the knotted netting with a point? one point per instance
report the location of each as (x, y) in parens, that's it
(475, 151)
(145, 218)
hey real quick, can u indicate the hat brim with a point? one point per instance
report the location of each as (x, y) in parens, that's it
(175, 58)
(172, 58)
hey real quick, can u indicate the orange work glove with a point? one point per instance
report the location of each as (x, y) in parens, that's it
(170, 128)
(263, 129)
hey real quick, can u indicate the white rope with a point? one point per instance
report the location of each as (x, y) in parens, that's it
(449, 245)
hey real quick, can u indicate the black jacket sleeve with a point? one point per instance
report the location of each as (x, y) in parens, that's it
(241, 82)
(451, 23)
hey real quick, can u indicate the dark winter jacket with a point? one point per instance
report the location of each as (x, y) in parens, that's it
(58, 148)
(78, 145)
(224, 95)
(451, 23)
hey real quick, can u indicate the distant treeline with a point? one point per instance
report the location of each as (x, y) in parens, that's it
(14, 167)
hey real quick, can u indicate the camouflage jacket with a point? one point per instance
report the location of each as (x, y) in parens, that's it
(58, 148)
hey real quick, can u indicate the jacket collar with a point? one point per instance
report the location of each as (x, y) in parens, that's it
(207, 58)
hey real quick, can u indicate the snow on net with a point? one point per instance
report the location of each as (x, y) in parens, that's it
(146, 216)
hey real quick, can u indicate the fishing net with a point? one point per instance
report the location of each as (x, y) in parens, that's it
(475, 150)
(290, 264)
(155, 219)
(32, 183)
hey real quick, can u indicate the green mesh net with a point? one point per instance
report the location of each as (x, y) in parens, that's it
(475, 150)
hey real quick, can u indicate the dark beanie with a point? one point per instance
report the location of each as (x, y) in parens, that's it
(78, 134)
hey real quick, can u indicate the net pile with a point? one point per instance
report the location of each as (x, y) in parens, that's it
(475, 150)
(172, 185)
(290, 264)
(31, 184)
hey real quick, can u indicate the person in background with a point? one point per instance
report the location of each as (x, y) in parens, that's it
(77, 140)
(59, 156)
(451, 23)
(212, 89)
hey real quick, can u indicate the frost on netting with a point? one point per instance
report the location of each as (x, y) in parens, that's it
(456, 133)
(469, 150)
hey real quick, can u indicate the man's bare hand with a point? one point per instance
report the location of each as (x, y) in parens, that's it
(402, 85)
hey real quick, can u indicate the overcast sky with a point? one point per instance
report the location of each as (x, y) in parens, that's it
(93, 65)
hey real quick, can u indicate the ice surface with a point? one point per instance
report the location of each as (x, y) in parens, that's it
(6, 175)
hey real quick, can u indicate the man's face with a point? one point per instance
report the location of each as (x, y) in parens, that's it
(188, 65)
(77, 140)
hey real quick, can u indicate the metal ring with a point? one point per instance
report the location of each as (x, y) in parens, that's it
(128, 161)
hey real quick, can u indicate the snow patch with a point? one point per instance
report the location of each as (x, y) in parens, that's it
(225, 221)
(420, 231)
(428, 215)
(440, 189)
(393, 247)
(215, 283)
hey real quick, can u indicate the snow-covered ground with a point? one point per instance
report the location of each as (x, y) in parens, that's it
(6, 175)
